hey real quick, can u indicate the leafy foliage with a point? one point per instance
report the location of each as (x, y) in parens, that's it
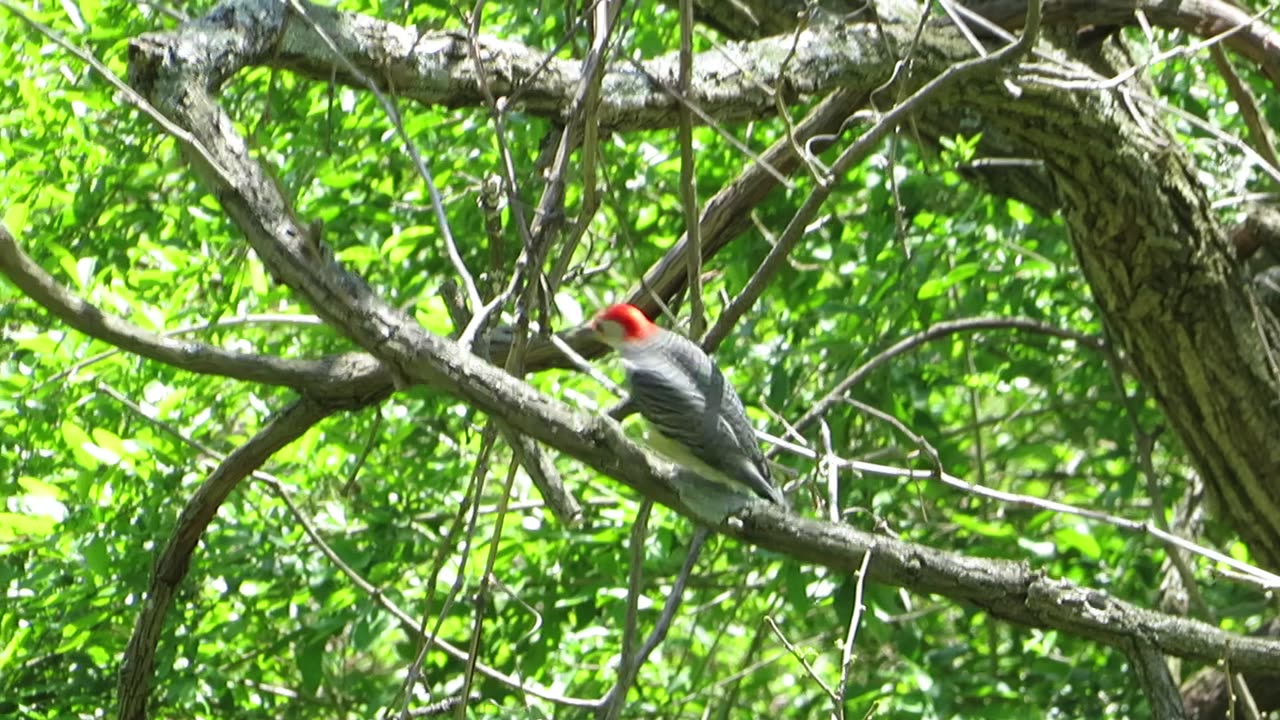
(96, 459)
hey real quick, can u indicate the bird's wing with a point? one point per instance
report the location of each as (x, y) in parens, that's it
(669, 400)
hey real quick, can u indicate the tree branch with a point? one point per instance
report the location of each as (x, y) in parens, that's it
(934, 332)
(167, 69)
(351, 375)
(1007, 589)
(174, 560)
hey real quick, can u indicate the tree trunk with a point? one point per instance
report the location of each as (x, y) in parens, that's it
(1151, 247)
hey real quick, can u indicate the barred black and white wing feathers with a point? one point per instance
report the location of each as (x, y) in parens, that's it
(688, 402)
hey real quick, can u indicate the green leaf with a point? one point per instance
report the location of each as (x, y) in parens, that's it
(79, 442)
(15, 525)
(1020, 212)
(935, 288)
(15, 218)
(311, 666)
(96, 557)
(1079, 537)
(434, 316)
(110, 443)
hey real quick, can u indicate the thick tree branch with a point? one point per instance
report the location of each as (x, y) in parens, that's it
(1007, 589)
(1207, 695)
(1157, 682)
(351, 375)
(435, 68)
(175, 559)
(1255, 40)
(167, 69)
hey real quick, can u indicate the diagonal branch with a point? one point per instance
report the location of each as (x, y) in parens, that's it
(724, 218)
(854, 154)
(1007, 589)
(175, 559)
(351, 375)
(934, 332)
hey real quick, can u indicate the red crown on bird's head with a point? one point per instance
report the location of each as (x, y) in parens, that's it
(632, 322)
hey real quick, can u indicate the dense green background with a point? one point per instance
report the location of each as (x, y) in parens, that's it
(266, 627)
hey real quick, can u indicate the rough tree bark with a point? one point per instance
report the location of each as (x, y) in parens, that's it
(1139, 218)
(1154, 252)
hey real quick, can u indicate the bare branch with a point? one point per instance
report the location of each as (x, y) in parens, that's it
(175, 559)
(934, 332)
(688, 188)
(1157, 682)
(1261, 136)
(629, 666)
(855, 617)
(352, 375)
(804, 662)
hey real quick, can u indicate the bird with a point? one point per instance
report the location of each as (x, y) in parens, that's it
(695, 417)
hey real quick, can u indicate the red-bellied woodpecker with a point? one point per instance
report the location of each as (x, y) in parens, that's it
(695, 417)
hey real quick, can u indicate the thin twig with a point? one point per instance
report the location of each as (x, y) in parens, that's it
(207, 505)
(832, 469)
(583, 120)
(777, 256)
(471, 503)
(611, 706)
(916, 438)
(804, 662)
(1251, 574)
(688, 179)
(393, 114)
(616, 696)
(1242, 697)
(963, 26)
(1096, 83)
(728, 701)
(482, 593)
(919, 440)
(585, 366)
(1177, 51)
(711, 122)
(820, 174)
(855, 618)
(934, 332)
(714, 690)
(372, 438)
